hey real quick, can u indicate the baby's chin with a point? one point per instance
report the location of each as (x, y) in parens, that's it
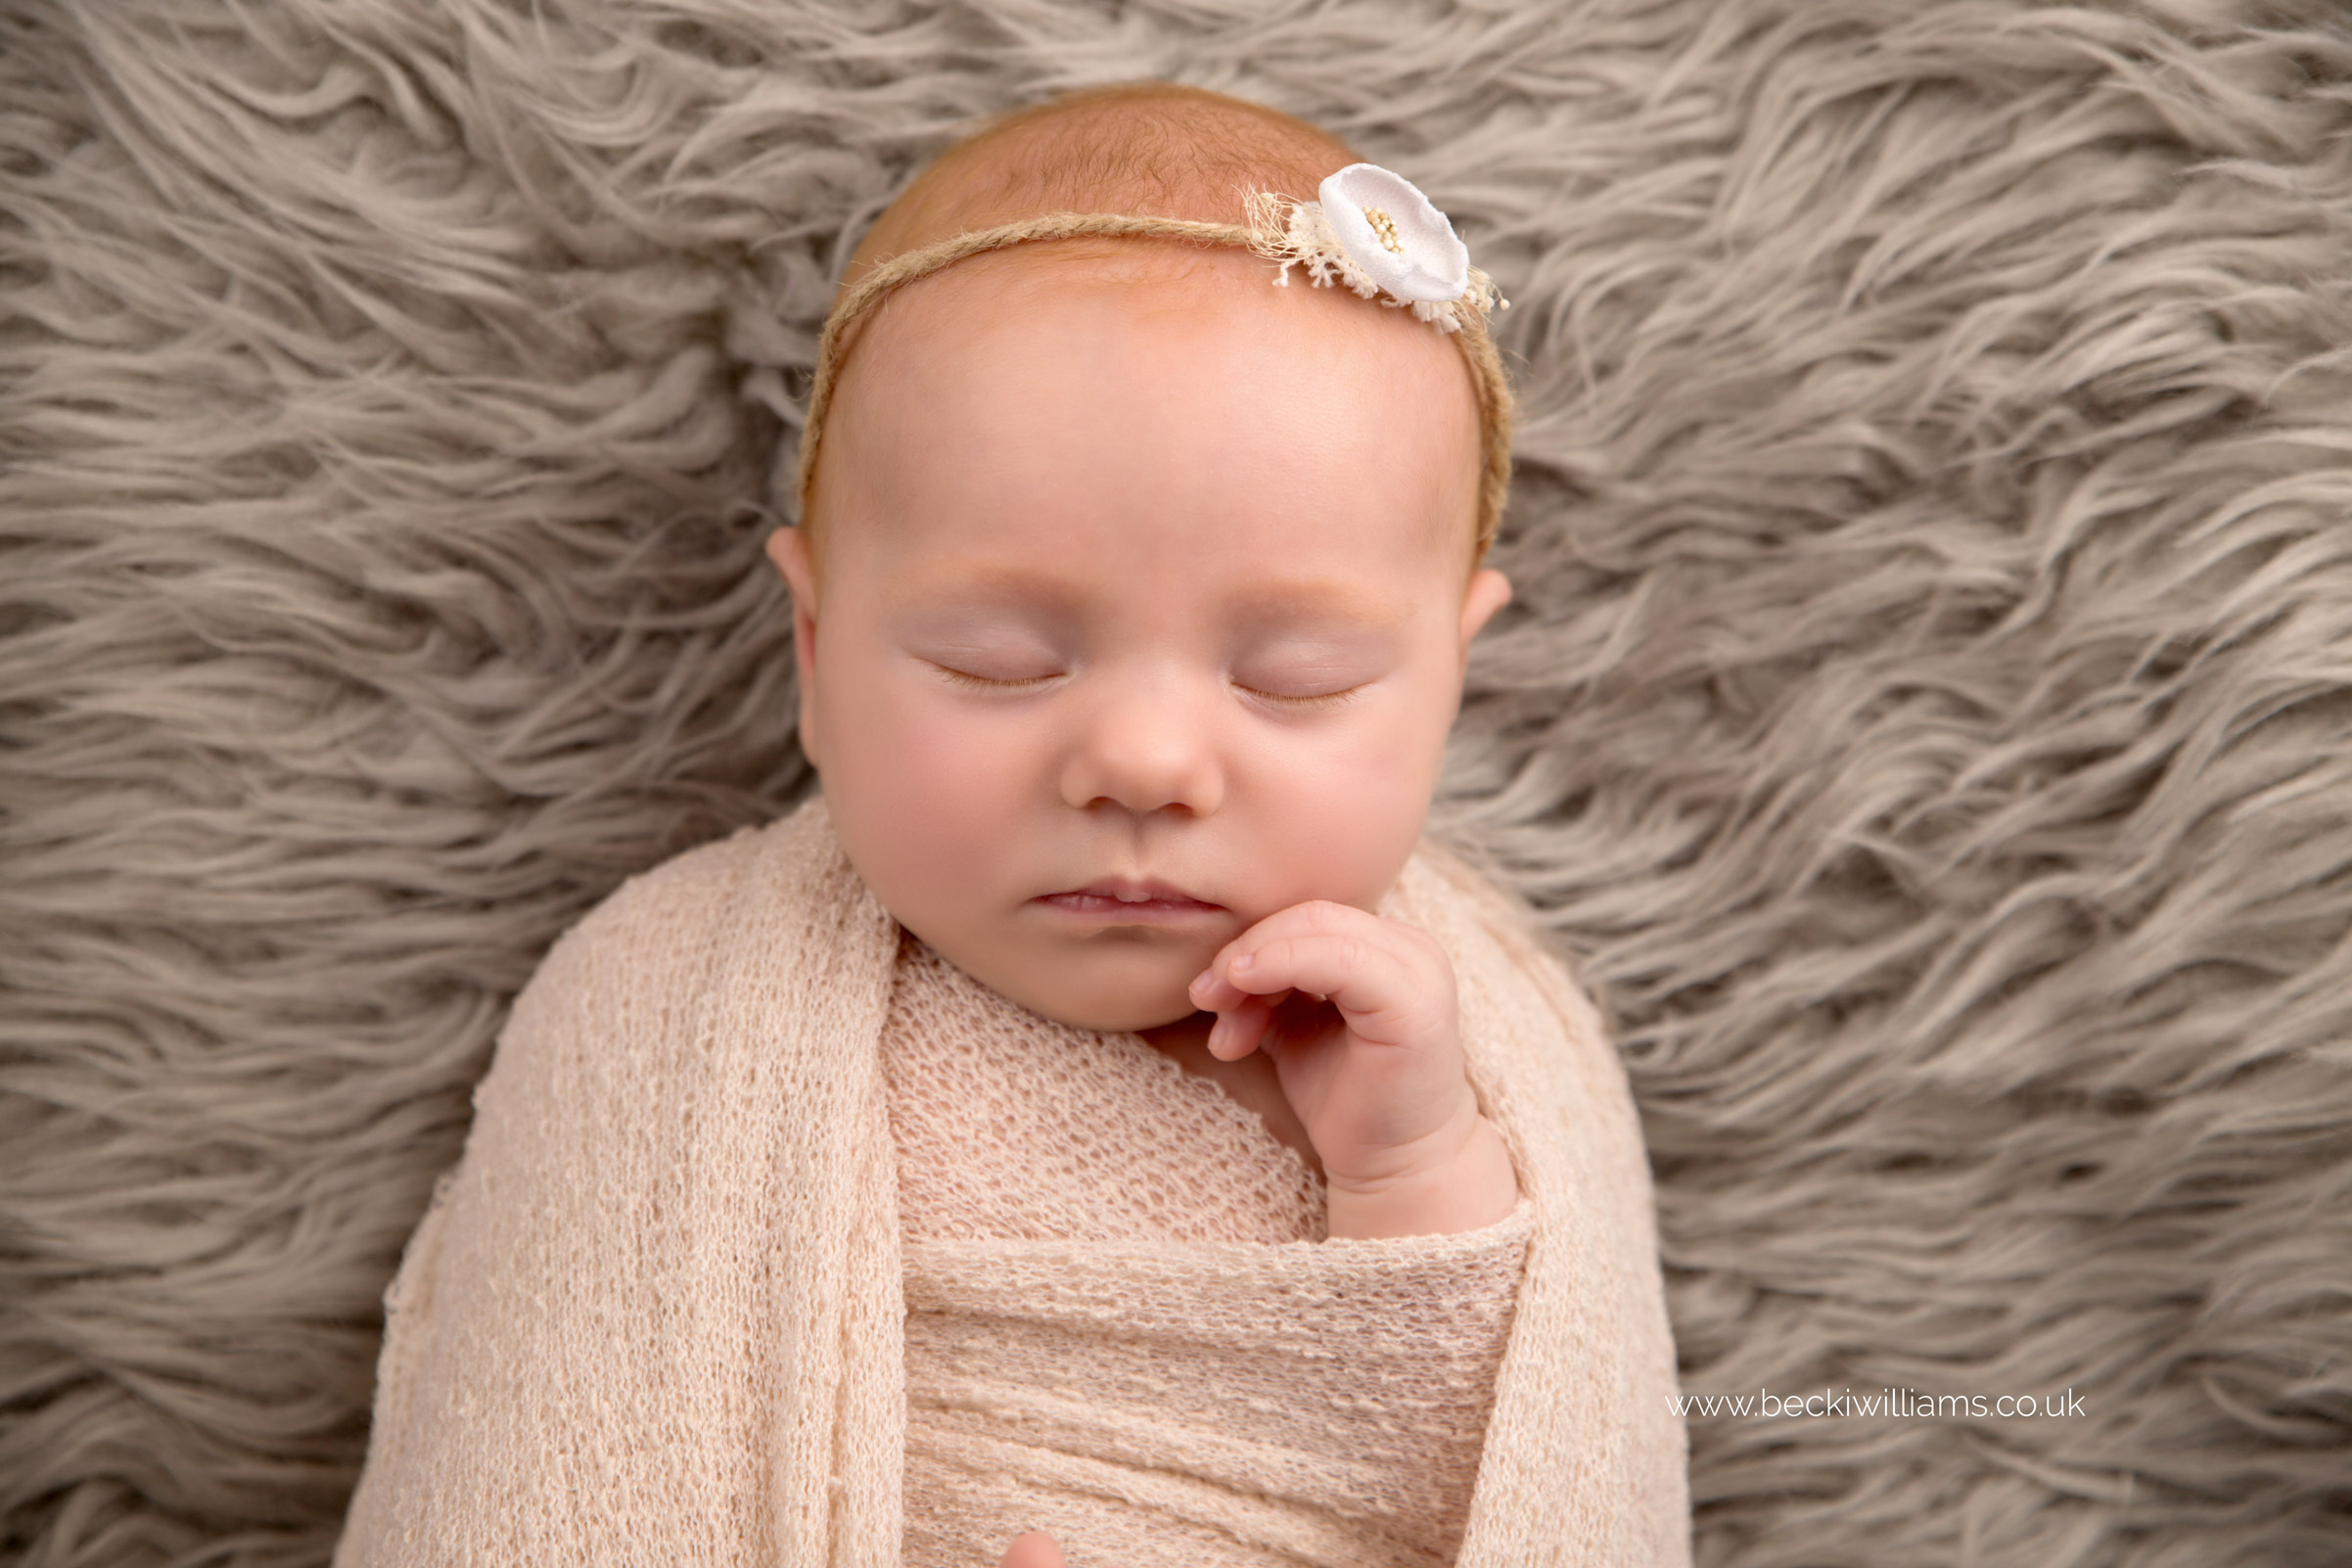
(1116, 989)
(1080, 1009)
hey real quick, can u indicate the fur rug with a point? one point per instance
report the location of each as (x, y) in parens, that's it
(1925, 707)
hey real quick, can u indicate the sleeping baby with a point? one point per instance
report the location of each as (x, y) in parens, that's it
(1098, 1128)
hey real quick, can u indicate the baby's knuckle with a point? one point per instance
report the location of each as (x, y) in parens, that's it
(1322, 914)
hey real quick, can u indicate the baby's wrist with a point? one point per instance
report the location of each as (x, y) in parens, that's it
(1474, 1187)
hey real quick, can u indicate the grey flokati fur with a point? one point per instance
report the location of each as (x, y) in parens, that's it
(1926, 712)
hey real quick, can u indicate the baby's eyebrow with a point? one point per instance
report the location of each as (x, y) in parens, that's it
(965, 584)
(1320, 600)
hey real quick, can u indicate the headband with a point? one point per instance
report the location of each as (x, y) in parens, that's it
(1370, 229)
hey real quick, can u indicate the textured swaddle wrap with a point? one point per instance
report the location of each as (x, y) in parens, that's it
(656, 1312)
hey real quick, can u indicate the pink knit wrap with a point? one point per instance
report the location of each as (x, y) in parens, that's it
(657, 1313)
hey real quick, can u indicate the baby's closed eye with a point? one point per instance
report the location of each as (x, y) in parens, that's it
(994, 662)
(1284, 671)
(1304, 694)
(961, 678)
(1307, 675)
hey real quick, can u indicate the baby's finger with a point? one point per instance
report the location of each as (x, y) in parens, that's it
(1213, 993)
(1238, 1031)
(1031, 1548)
(1215, 987)
(1384, 994)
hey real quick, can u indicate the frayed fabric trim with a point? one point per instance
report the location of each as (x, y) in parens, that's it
(1296, 233)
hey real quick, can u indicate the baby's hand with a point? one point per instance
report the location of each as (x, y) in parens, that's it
(1359, 1016)
(1032, 1550)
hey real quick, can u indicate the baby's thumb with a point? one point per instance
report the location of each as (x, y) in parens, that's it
(1033, 1550)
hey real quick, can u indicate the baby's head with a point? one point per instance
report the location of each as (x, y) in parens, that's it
(1122, 568)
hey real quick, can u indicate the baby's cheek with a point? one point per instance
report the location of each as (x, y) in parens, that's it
(928, 796)
(1353, 807)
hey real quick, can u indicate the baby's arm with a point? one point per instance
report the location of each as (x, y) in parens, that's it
(1360, 1018)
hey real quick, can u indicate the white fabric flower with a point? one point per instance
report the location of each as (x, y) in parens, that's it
(1373, 233)
(1390, 230)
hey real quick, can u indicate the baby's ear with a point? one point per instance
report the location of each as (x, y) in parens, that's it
(788, 548)
(1489, 591)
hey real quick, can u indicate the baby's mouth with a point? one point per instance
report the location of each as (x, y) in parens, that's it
(1121, 899)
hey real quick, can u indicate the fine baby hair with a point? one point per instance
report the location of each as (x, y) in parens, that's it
(1366, 228)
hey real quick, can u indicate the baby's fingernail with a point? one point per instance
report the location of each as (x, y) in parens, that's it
(1217, 1036)
(1198, 980)
(1242, 965)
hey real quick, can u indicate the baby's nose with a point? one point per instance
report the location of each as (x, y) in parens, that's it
(1146, 745)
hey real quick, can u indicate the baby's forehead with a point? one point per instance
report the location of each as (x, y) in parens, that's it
(1164, 289)
(993, 577)
(1155, 331)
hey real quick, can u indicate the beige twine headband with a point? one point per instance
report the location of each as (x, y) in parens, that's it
(1280, 229)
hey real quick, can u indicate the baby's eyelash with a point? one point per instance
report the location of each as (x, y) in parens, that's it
(984, 683)
(1329, 699)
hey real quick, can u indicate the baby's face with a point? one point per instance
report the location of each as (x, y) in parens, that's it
(1133, 584)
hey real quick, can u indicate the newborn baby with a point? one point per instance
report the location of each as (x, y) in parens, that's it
(1132, 607)
(1132, 600)
(1132, 597)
